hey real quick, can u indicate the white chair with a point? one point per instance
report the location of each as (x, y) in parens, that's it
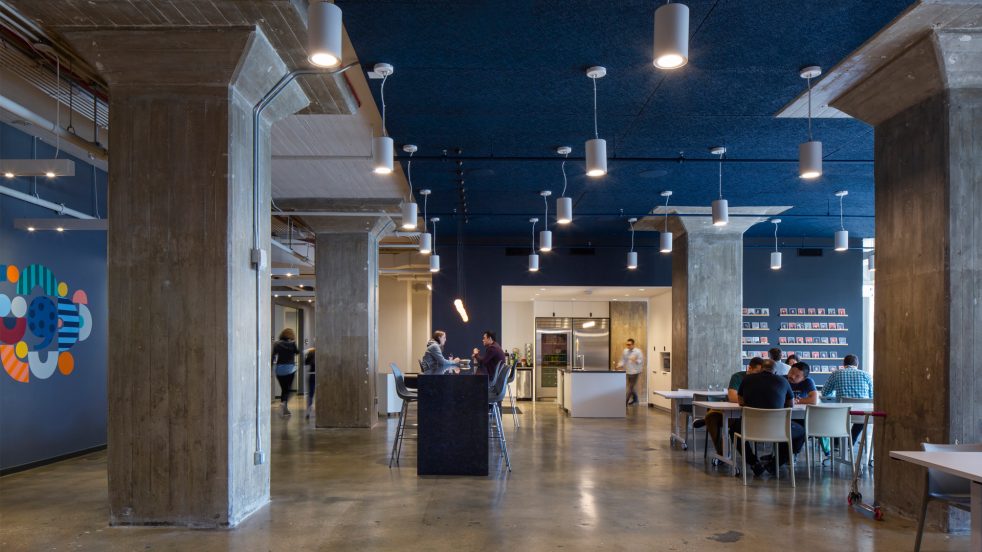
(943, 487)
(765, 425)
(831, 421)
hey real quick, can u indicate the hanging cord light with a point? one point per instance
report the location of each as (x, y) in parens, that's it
(596, 148)
(409, 207)
(434, 258)
(841, 235)
(382, 146)
(324, 34)
(564, 205)
(665, 240)
(632, 255)
(721, 208)
(775, 255)
(671, 36)
(425, 239)
(810, 152)
(458, 303)
(533, 258)
(545, 236)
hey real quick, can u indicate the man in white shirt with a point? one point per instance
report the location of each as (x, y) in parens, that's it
(633, 363)
(780, 368)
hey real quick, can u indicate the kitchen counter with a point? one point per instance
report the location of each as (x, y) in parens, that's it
(593, 393)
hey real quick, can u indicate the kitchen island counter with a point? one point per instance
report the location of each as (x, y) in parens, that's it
(593, 393)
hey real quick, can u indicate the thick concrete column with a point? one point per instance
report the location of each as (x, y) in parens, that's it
(347, 322)
(925, 101)
(183, 387)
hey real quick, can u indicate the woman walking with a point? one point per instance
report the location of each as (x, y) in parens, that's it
(285, 358)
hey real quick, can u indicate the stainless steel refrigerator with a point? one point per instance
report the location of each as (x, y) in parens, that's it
(568, 343)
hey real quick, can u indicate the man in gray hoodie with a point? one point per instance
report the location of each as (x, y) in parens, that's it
(434, 362)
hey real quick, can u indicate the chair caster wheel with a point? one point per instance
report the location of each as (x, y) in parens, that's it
(877, 514)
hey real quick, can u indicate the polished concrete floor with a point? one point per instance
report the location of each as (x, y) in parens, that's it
(577, 484)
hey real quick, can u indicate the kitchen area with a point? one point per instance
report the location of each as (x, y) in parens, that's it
(576, 336)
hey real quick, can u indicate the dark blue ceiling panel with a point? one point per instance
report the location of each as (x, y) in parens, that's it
(504, 82)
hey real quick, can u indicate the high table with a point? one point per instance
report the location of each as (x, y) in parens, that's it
(960, 464)
(679, 397)
(453, 425)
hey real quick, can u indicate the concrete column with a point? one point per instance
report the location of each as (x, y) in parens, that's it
(347, 323)
(183, 385)
(925, 101)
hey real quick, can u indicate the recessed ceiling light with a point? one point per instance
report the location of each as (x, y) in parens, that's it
(49, 174)
(8, 174)
(640, 289)
(60, 229)
(30, 228)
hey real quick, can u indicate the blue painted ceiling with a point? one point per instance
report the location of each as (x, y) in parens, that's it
(504, 82)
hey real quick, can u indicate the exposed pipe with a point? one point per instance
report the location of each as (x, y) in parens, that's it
(335, 213)
(56, 207)
(22, 112)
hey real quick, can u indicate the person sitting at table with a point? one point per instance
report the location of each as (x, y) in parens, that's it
(765, 389)
(849, 382)
(487, 363)
(792, 360)
(802, 385)
(714, 418)
(780, 368)
(434, 361)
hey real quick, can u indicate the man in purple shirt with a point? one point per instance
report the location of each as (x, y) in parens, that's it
(487, 363)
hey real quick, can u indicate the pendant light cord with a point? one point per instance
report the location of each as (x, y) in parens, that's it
(632, 236)
(533, 238)
(564, 175)
(842, 224)
(426, 199)
(666, 212)
(434, 237)
(596, 133)
(409, 174)
(775, 237)
(809, 109)
(721, 175)
(546, 201)
(382, 94)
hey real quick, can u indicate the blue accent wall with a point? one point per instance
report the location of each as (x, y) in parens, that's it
(47, 418)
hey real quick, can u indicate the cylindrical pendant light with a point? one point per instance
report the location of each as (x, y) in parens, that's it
(721, 208)
(665, 240)
(324, 34)
(434, 258)
(533, 258)
(409, 215)
(810, 152)
(425, 239)
(596, 148)
(632, 255)
(841, 235)
(409, 208)
(775, 255)
(671, 36)
(564, 210)
(382, 152)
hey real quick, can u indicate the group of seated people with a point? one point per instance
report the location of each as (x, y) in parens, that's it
(434, 360)
(770, 383)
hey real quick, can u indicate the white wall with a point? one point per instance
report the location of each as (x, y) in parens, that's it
(659, 340)
(422, 323)
(395, 324)
(517, 325)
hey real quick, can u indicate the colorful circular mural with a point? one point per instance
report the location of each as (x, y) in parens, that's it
(39, 324)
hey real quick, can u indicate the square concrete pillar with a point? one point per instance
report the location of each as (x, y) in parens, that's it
(188, 404)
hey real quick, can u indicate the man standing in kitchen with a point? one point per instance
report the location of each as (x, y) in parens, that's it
(632, 360)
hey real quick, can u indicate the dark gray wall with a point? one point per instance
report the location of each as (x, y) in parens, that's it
(63, 414)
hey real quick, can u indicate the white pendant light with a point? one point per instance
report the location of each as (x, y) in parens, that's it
(671, 36)
(324, 34)
(383, 150)
(841, 235)
(564, 205)
(533, 258)
(459, 305)
(545, 236)
(665, 240)
(810, 152)
(632, 255)
(425, 239)
(775, 255)
(721, 208)
(434, 258)
(409, 208)
(596, 148)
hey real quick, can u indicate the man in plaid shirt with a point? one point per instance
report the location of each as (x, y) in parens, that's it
(849, 382)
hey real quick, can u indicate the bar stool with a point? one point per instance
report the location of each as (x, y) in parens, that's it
(407, 397)
(496, 394)
(511, 396)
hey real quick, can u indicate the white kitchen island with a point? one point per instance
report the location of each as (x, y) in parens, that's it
(593, 393)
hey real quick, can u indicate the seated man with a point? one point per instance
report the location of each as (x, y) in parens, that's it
(714, 418)
(765, 389)
(850, 382)
(780, 368)
(487, 363)
(802, 385)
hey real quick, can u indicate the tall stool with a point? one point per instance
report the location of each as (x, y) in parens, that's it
(407, 397)
(496, 394)
(511, 396)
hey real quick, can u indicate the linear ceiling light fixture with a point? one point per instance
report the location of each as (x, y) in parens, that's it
(841, 235)
(382, 147)
(596, 148)
(533, 258)
(324, 34)
(665, 241)
(775, 255)
(545, 236)
(434, 258)
(632, 255)
(810, 152)
(721, 208)
(409, 208)
(425, 239)
(564, 205)
(671, 36)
